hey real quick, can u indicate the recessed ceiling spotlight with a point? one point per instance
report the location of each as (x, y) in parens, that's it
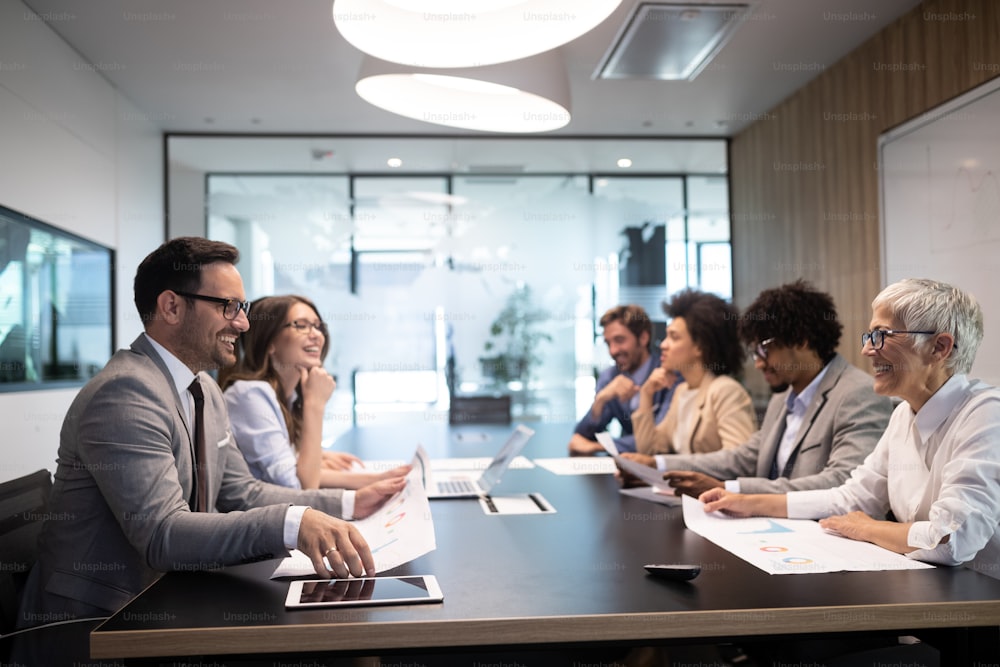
(394, 162)
(624, 162)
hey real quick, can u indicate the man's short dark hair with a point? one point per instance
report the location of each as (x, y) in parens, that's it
(176, 265)
(794, 314)
(633, 317)
(712, 324)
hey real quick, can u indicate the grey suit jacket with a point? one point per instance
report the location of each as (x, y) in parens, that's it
(119, 513)
(843, 423)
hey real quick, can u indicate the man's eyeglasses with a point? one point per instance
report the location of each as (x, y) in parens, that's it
(304, 326)
(877, 336)
(760, 351)
(230, 307)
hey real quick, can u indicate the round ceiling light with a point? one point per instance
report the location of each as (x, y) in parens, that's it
(525, 96)
(459, 33)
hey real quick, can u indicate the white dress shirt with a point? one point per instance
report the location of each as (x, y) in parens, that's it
(939, 469)
(797, 405)
(182, 377)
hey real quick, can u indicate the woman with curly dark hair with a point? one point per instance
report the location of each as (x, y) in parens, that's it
(710, 410)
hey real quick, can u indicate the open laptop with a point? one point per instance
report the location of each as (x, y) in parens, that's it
(468, 484)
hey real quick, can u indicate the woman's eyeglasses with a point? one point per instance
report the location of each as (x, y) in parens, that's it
(877, 336)
(304, 326)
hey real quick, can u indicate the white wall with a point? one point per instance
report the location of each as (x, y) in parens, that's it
(79, 156)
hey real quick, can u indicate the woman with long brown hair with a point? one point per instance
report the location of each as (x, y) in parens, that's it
(277, 393)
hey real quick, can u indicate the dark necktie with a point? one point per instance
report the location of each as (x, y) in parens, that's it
(775, 473)
(200, 455)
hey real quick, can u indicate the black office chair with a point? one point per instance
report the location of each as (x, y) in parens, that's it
(479, 410)
(24, 503)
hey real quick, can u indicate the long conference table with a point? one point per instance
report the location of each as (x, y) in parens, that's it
(572, 581)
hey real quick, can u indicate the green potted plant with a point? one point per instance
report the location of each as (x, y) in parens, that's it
(511, 351)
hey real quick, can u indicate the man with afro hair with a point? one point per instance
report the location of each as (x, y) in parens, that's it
(822, 421)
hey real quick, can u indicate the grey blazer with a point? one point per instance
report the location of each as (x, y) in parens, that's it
(119, 513)
(843, 423)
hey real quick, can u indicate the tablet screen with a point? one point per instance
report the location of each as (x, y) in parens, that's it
(378, 589)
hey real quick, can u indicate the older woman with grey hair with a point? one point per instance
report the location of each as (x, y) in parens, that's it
(937, 467)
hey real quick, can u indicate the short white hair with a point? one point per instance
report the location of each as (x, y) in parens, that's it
(928, 305)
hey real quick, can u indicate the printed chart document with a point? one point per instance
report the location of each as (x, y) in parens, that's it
(791, 546)
(398, 532)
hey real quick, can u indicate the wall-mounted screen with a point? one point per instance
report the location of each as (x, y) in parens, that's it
(56, 304)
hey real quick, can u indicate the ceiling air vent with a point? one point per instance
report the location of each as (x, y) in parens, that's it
(670, 41)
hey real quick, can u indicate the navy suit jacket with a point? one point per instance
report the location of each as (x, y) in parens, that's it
(589, 426)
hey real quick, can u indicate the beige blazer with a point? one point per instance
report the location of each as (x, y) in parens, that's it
(725, 418)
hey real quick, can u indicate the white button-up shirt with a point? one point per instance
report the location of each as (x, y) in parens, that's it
(939, 469)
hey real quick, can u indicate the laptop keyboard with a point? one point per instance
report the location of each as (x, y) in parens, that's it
(456, 486)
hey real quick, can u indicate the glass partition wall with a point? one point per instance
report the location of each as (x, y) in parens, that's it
(442, 285)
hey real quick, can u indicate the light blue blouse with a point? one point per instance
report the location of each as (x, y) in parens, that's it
(261, 432)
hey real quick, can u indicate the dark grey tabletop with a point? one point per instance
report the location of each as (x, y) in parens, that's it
(569, 577)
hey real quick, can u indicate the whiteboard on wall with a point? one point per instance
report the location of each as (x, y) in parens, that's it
(940, 205)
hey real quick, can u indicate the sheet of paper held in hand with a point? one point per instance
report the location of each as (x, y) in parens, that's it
(648, 474)
(791, 546)
(398, 532)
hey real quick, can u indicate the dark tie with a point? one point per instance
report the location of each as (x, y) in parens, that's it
(774, 474)
(200, 455)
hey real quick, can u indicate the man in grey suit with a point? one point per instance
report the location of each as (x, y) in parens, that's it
(130, 477)
(822, 421)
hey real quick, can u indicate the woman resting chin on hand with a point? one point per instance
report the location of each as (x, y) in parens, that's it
(277, 394)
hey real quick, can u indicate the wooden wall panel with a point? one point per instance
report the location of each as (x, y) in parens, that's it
(805, 176)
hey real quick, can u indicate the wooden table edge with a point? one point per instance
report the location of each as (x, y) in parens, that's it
(567, 629)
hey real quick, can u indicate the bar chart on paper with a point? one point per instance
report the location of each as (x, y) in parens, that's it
(790, 546)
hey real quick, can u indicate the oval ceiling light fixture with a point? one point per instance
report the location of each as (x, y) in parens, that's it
(460, 33)
(524, 96)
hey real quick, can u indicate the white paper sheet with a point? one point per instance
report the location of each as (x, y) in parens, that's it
(398, 532)
(647, 474)
(790, 546)
(579, 465)
(475, 463)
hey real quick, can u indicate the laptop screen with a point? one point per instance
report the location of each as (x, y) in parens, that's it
(515, 443)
